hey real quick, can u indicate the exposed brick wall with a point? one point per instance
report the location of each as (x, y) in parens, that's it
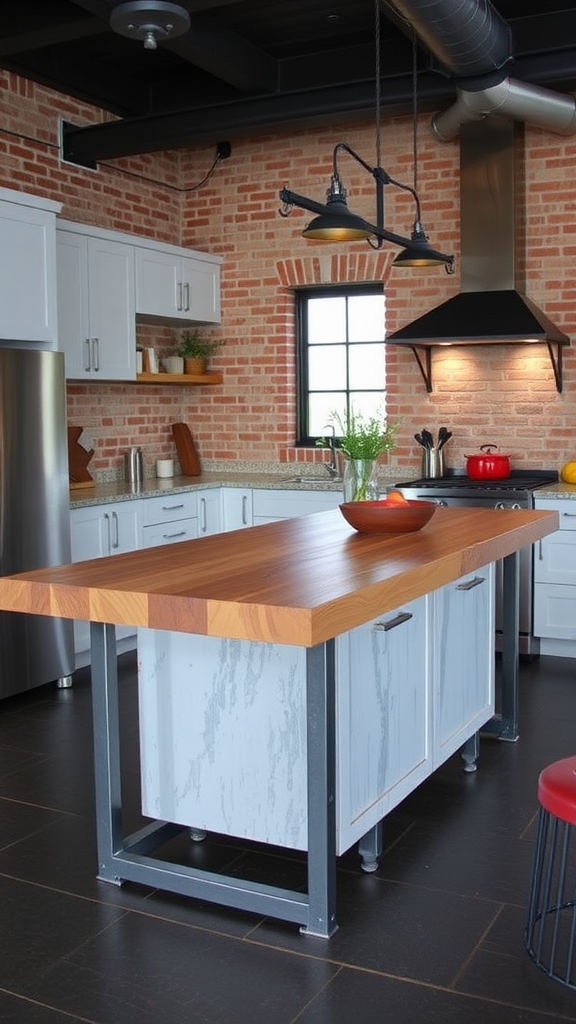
(505, 395)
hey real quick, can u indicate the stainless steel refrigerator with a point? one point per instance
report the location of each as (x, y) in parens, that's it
(34, 511)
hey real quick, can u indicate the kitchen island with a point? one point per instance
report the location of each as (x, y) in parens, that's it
(302, 583)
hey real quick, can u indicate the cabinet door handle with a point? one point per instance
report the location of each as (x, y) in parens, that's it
(116, 541)
(172, 508)
(170, 536)
(203, 521)
(87, 349)
(540, 551)
(179, 295)
(187, 296)
(471, 583)
(396, 621)
(95, 354)
(244, 510)
(569, 515)
(107, 518)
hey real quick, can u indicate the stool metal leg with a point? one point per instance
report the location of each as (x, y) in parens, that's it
(550, 933)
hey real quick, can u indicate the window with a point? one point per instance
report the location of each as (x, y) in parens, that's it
(341, 355)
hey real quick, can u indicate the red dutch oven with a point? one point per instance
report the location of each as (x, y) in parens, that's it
(488, 464)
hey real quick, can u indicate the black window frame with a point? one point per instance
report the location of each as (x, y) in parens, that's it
(303, 295)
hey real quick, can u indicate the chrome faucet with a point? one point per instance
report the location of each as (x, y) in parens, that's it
(332, 465)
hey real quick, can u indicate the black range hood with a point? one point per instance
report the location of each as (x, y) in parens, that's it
(490, 309)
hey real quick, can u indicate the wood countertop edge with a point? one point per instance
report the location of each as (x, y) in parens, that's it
(262, 592)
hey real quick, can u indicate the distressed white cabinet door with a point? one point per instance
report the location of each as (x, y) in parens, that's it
(463, 632)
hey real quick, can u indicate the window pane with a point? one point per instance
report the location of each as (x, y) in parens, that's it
(366, 366)
(366, 318)
(320, 409)
(327, 368)
(326, 320)
(368, 403)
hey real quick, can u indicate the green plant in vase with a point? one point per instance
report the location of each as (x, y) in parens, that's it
(362, 440)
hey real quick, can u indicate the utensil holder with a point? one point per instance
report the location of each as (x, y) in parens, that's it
(432, 463)
(133, 466)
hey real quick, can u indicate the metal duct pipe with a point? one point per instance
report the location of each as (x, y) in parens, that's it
(512, 99)
(472, 43)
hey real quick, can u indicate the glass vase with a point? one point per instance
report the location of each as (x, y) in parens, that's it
(360, 480)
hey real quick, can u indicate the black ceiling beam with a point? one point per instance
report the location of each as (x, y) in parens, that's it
(89, 146)
(42, 36)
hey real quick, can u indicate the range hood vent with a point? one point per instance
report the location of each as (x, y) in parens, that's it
(491, 309)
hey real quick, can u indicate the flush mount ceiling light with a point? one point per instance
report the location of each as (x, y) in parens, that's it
(150, 21)
(335, 222)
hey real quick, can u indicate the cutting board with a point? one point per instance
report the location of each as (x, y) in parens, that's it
(78, 459)
(187, 453)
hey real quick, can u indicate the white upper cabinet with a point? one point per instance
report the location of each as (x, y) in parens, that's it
(27, 268)
(176, 286)
(96, 309)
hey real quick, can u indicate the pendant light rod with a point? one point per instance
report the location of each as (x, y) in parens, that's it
(293, 199)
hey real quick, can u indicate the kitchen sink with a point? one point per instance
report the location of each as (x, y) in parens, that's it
(312, 480)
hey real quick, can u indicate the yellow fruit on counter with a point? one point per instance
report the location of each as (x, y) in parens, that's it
(568, 473)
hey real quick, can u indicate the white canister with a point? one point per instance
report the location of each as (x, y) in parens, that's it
(164, 468)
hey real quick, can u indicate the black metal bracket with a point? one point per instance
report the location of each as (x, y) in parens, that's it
(423, 357)
(556, 360)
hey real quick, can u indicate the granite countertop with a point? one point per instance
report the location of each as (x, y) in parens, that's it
(556, 490)
(118, 490)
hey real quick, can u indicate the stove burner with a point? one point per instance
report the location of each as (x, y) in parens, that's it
(519, 480)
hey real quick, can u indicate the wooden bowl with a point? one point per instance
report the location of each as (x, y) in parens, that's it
(380, 517)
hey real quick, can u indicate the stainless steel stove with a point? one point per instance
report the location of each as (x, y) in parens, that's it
(516, 491)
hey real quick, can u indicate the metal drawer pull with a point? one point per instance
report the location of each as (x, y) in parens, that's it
(171, 508)
(244, 510)
(179, 295)
(96, 354)
(169, 536)
(569, 515)
(87, 361)
(187, 297)
(471, 583)
(116, 541)
(397, 621)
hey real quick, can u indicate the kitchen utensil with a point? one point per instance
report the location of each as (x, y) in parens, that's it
(427, 439)
(133, 466)
(444, 435)
(78, 459)
(379, 517)
(489, 464)
(187, 454)
(418, 438)
(432, 463)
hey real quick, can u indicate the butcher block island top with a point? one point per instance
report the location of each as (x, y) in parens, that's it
(275, 736)
(299, 581)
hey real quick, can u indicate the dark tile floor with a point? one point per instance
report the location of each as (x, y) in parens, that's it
(434, 936)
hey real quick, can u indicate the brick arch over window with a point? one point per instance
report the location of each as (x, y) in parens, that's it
(334, 268)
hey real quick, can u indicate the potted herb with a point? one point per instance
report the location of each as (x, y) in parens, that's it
(362, 440)
(196, 350)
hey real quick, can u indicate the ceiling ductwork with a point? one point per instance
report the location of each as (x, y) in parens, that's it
(492, 307)
(472, 45)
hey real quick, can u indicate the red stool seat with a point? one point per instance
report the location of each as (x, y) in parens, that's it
(550, 932)
(557, 789)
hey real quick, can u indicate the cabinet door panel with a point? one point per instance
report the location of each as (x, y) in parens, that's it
(555, 558)
(27, 274)
(157, 283)
(555, 611)
(383, 716)
(201, 290)
(236, 508)
(464, 660)
(111, 308)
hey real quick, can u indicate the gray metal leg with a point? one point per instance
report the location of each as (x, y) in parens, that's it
(470, 753)
(321, 724)
(505, 724)
(131, 858)
(370, 848)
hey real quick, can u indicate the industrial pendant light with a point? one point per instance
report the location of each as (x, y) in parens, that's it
(150, 21)
(334, 221)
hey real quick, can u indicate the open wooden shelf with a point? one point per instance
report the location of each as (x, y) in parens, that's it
(179, 378)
